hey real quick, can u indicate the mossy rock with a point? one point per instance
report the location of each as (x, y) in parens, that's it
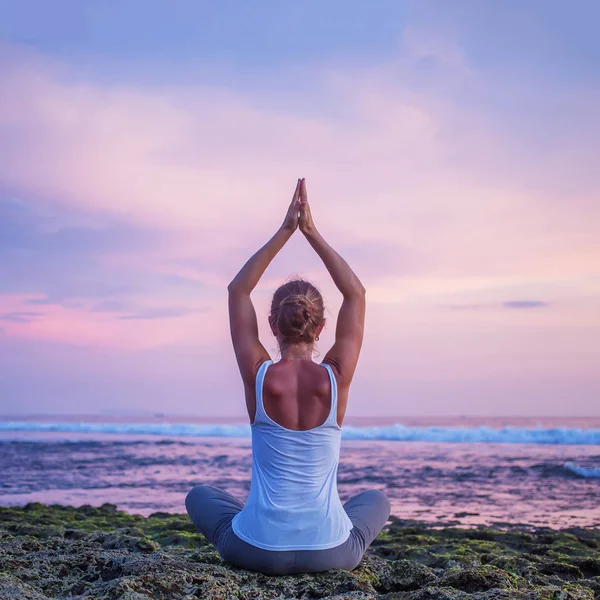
(431, 593)
(589, 565)
(403, 575)
(454, 561)
(120, 541)
(100, 553)
(563, 570)
(478, 579)
(181, 538)
(14, 587)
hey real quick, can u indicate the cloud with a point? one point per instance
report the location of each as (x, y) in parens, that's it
(128, 311)
(21, 316)
(148, 326)
(510, 304)
(150, 197)
(159, 313)
(427, 169)
(450, 167)
(110, 306)
(525, 304)
(48, 253)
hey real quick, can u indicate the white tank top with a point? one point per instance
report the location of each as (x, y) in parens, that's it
(293, 502)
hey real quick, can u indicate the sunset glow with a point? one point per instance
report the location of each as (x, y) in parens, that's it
(458, 174)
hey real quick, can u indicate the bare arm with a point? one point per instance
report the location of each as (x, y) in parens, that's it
(343, 355)
(249, 352)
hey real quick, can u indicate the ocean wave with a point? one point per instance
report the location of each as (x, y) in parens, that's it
(582, 471)
(395, 432)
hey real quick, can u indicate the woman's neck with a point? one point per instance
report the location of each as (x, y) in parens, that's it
(297, 352)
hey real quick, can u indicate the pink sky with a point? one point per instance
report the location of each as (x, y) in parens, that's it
(464, 195)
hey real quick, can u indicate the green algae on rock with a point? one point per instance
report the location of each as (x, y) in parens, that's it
(104, 554)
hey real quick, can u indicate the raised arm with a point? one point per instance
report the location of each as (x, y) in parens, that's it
(249, 352)
(349, 331)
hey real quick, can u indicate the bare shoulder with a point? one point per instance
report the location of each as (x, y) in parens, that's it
(343, 388)
(283, 375)
(343, 376)
(250, 387)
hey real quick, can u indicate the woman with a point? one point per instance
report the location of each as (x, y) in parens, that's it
(293, 521)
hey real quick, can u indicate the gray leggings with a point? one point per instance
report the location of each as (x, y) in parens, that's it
(212, 509)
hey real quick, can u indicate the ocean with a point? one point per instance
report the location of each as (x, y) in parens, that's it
(463, 471)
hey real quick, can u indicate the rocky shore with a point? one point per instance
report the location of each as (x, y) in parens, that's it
(104, 554)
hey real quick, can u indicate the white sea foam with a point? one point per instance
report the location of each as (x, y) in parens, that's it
(582, 471)
(396, 432)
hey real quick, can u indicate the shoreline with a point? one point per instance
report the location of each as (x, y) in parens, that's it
(426, 481)
(493, 421)
(424, 523)
(102, 553)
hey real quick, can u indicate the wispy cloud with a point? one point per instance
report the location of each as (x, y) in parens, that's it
(518, 304)
(110, 306)
(47, 254)
(21, 316)
(509, 304)
(159, 313)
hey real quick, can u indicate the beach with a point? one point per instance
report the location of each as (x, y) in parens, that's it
(448, 472)
(93, 508)
(103, 554)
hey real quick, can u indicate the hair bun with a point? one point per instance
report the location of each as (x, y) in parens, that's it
(298, 299)
(297, 309)
(295, 315)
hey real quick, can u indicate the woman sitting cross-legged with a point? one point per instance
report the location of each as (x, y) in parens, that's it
(293, 520)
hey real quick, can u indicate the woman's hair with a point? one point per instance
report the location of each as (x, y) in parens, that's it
(297, 310)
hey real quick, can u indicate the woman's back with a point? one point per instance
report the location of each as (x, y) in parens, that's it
(297, 394)
(293, 502)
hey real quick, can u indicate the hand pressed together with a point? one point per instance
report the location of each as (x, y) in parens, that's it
(305, 220)
(298, 213)
(291, 218)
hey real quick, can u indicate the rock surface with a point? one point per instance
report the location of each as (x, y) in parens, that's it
(104, 554)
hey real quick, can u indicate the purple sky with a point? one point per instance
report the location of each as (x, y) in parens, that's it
(451, 152)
